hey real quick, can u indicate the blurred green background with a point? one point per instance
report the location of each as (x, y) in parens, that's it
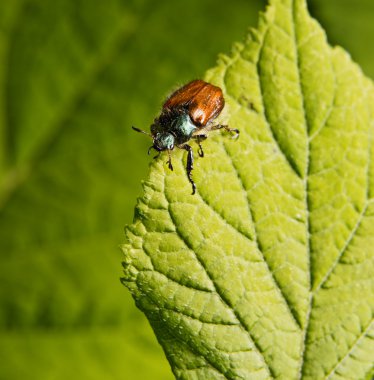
(74, 76)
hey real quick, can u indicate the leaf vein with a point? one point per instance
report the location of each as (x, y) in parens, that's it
(344, 248)
(188, 316)
(363, 335)
(328, 113)
(189, 286)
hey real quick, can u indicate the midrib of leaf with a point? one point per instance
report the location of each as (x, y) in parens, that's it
(307, 204)
(316, 289)
(292, 166)
(15, 176)
(305, 180)
(303, 326)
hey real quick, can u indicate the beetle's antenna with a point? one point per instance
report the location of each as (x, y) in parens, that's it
(141, 131)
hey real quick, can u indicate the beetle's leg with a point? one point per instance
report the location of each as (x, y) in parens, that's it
(200, 151)
(198, 139)
(169, 161)
(209, 128)
(226, 128)
(189, 166)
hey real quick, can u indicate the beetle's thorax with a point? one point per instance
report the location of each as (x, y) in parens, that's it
(182, 127)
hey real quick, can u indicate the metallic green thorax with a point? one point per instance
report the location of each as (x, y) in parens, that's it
(183, 128)
(175, 131)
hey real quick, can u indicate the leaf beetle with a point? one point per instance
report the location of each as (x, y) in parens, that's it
(188, 113)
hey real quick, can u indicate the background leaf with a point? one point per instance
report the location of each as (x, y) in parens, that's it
(349, 24)
(74, 76)
(268, 271)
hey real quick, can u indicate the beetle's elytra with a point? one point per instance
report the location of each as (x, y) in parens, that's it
(187, 114)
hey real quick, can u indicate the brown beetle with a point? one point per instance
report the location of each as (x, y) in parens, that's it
(188, 114)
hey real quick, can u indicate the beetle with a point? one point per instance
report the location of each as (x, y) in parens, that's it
(188, 113)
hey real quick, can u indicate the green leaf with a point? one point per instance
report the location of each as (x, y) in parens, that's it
(268, 271)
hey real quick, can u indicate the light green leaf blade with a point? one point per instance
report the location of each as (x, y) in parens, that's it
(267, 272)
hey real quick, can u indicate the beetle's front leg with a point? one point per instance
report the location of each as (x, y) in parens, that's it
(226, 128)
(170, 166)
(198, 139)
(189, 166)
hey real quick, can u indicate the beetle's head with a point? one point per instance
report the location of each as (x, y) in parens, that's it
(163, 141)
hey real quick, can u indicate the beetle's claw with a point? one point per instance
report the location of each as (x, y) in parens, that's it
(236, 135)
(170, 166)
(193, 188)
